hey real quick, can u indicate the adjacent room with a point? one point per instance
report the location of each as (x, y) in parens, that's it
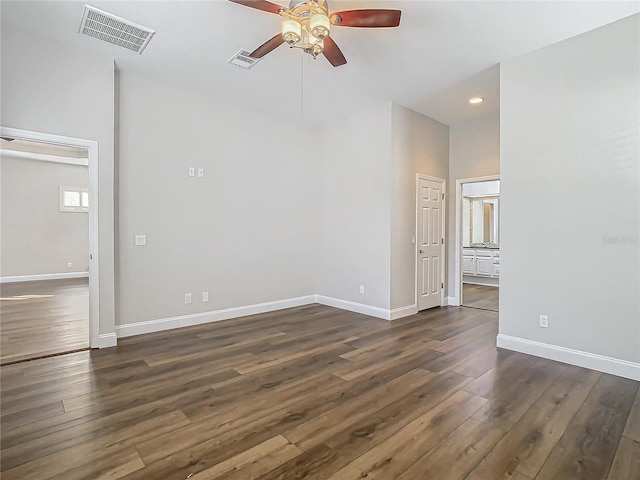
(251, 239)
(45, 249)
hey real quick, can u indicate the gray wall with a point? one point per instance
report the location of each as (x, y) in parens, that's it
(36, 237)
(571, 193)
(355, 215)
(420, 145)
(246, 232)
(52, 88)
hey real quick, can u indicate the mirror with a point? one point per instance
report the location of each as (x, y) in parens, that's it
(483, 225)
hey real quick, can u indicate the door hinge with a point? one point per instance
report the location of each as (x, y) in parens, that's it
(442, 285)
(443, 240)
(443, 195)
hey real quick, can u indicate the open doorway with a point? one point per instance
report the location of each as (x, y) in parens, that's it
(49, 234)
(478, 245)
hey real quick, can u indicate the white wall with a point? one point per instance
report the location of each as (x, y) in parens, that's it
(246, 232)
(36, 237)
(355, 216)
(474, 152)
(53, 88)
(571, 195)
(419, 145)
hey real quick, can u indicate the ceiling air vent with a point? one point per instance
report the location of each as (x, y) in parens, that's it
(242, 59)
(115, 30)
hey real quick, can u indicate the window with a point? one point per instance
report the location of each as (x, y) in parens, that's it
(74, 199)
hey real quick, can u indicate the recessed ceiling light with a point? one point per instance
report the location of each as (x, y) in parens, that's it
(476, 100)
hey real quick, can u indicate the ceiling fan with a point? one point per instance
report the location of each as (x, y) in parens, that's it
(307, 24)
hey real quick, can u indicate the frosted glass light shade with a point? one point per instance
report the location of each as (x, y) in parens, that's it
(319, 25)
(291, 31)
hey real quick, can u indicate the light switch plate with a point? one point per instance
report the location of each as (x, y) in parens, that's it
(205, 296)
(201, 172)
(192, 171)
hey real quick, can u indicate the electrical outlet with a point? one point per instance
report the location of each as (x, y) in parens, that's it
(205, 296)
(187, 298)
(140, 240)
(69, 265)
(544, 321)
(192, 171)
(200, 172)
(361, 288)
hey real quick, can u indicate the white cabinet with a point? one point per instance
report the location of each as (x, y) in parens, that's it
(484, 266)
(468, 261)
(481, 262)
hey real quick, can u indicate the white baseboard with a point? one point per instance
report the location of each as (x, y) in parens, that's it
(42, 276)
(106, 340)
(452, 301)
(150, 326)
(402, 312)
(161, 324)
(614, 366)
(378, 312)
(484, 281)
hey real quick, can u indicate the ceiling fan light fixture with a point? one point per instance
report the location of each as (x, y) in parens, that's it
(319, 25)
(291, 31)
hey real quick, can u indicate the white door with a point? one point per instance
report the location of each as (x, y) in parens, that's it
(430, 242)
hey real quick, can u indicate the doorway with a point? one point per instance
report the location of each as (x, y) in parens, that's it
(477, 250)
(430, 194)
(48, 277)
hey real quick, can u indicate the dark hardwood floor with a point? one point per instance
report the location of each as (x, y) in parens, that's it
(480, 296)
(318, 393)
(43, 318)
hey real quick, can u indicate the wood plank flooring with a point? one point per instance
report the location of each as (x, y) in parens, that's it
(317, 393)
(43, 318)
(480, 296)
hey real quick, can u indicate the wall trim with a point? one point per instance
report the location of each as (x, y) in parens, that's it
(614, 366)
(106, 340)
(402, 312)
(482, 282)
(452, 301)
(158, 325)
(370, 310)
(42, 157)
(161, 324)
(43, 276)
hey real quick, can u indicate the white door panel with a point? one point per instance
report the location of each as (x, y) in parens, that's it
(430, 242)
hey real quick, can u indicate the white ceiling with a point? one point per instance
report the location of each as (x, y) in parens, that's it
(440, 55)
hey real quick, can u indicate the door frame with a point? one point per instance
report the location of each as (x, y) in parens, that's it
(420, 176)
(457, 289)
(94, 250)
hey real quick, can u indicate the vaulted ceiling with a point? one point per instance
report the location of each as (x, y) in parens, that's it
(441, 53)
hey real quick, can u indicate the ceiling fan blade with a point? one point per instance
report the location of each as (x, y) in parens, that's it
(261, 5)
(267, 46)
(333, 52)
(372, 18)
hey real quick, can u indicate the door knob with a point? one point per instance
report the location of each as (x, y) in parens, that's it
(422, 251)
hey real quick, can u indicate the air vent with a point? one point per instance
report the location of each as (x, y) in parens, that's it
(243, 60)
(115, 30)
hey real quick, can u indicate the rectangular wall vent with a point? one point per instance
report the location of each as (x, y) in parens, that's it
(242, 59)
(115, 30)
